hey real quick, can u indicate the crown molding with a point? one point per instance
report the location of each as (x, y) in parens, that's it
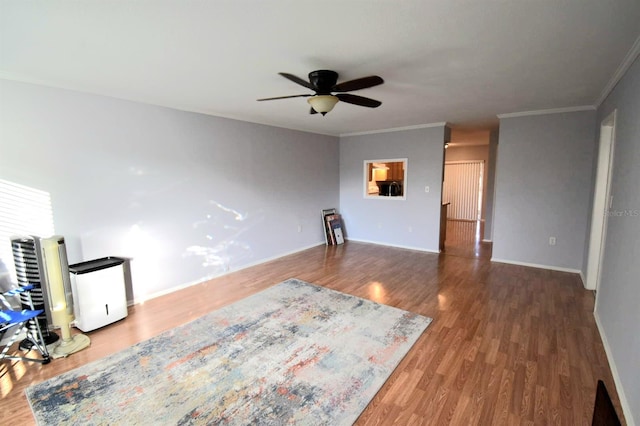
(622, 69)
(395, 129)
(548, 111)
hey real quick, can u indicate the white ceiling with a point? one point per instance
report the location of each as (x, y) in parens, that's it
(460, 61)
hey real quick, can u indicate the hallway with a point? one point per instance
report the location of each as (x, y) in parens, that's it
(464, 239)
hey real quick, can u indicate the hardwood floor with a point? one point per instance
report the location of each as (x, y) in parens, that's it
(508, 344)
(464, 238)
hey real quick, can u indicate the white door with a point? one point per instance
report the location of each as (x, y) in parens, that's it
(601, 201)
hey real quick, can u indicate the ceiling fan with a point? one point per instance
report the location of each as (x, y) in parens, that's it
(324, 82)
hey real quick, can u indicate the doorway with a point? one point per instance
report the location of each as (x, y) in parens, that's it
(602, 201)
(462, 193)
(468, 181)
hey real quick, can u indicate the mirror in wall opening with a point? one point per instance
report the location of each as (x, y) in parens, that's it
(385, 178)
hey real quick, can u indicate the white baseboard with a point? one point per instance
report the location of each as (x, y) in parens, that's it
(207, 278)
(535, 265)
(628, 415)
(584, 280)
(394, 245)
(487, 241)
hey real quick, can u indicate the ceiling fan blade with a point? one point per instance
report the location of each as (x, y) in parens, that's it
(360, 83)
(312, 111)
(358, 100)
(284, 97)
(298, 80)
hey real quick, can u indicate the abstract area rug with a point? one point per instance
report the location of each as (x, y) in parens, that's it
(295, 353)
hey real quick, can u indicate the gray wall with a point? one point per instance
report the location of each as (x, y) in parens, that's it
(543, 187)
(411, 223)
(618, 298)
(186, 196)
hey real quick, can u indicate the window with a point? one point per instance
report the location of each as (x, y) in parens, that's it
(385, 179)
(23, 211)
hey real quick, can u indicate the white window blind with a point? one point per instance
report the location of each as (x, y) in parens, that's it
(463, 189)
(23, 211)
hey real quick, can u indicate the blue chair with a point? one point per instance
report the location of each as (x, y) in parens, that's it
(23, 323)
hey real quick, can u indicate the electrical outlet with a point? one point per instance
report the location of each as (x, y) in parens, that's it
(552, 241)
(411, 229)
(426, 189)
(299, 228)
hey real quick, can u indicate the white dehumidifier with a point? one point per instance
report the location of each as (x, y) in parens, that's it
(99, 292)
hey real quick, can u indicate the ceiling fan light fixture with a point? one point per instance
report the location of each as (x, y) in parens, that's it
(323, 103)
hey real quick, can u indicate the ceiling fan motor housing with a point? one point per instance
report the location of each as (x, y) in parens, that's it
(323, 81)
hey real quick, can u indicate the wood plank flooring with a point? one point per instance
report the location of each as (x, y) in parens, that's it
(464, 238)
(508, 345)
